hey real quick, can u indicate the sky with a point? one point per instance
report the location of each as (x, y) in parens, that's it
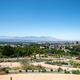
(55, 18)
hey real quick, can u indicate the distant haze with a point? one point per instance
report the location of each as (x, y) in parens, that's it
(42, 38)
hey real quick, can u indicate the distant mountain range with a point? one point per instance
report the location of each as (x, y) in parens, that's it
(31, 38)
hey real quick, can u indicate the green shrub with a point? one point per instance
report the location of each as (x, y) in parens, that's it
(59, 69)
(79, 66)
(75, 72)
(44, 70)
(6, 71)
(46, 56)
(52, 63)
(59, 65)
(1, 55)
(32, 70)
(39, 70)
(26, 70)
(51, 70)
(20, 71)
(42, 56)
(64, 63)
(67, 72)
(16, 68)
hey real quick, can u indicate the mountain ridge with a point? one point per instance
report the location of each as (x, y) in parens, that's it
(41, 38)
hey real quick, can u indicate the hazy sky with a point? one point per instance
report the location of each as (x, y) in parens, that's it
(55, 18)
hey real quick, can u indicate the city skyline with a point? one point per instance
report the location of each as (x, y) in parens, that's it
(54, 18)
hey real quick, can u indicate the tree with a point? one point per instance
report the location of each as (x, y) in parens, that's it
(45, 54)
(34, 53)
(1, 55)
(8, 51)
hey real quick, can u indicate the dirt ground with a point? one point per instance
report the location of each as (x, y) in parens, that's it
(16, 64)
(54, 66)
(10, 64)
(34, 76)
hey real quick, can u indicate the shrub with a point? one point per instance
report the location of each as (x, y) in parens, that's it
(44, 70)
(6, 71)
(64, 63)
(1, 55)
(59, 65)
(79, 66)
(26, 70)
(51, 70)
(46, 56)
(32, 70)
(39, 70)
(67, 72)
(20, 71)
(42, 56)
(16, 68)
(53, 63)
(75, 72)
(59, 69)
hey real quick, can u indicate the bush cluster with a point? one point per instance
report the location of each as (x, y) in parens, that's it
(6, 71)
(75, 72)
(67, 72)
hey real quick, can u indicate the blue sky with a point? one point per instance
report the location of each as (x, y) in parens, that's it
(55, 18)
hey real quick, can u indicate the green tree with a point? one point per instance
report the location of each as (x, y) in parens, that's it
(34, 53)
(1, 55)
(8, 51)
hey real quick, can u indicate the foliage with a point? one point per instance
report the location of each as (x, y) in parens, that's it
(33, 49)
(26, 70)
(6, 71)
(34, 53)
(32, 70)
(75, 72)
(59, 65)
(67, 72)
(27, 66)
(56, 63)
(20, 71)
(39, 70)
(78, 66)
(8, 51)
(51, 70)
(42, 60)
(32, 67)
(75, 64)
(1, 55)
(24, 61)
(59, 69)
(71, 62)
(44, 70)
(16, 68)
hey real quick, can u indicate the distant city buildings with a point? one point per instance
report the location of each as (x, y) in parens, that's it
(46, 45)
(41, 47)
(76, 43)
(53, 46)
(61, 45)
(25, 44)
(13, 45)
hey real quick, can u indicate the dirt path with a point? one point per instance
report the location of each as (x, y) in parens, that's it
(54, 66)
(10, 64)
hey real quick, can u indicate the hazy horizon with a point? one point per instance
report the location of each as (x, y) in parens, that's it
(36, 38)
